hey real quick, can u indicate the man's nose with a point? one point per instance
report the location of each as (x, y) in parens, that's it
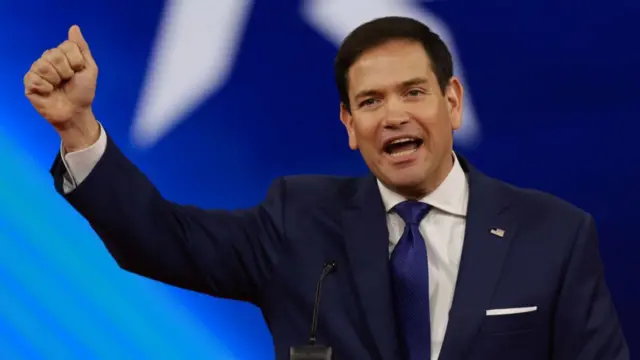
(396, 114)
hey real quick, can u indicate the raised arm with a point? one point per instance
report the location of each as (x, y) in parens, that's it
(223, 253)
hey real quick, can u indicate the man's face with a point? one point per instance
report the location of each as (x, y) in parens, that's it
(400, 120)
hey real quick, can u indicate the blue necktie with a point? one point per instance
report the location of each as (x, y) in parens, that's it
(410, 277)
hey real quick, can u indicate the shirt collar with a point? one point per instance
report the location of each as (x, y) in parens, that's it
(451, 196)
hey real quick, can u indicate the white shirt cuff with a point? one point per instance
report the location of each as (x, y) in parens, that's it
(79, 164)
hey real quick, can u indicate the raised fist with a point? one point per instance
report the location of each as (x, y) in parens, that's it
(61, 84)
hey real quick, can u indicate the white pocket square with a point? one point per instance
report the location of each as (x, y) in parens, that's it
(511, 311)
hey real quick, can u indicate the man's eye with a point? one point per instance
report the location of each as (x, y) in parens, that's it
(367, 102)
(414, 92)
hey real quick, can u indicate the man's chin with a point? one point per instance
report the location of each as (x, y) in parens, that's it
(405, 181)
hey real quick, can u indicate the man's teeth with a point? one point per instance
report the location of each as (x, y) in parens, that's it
(403, 146)
(401, 140)
(405, 152)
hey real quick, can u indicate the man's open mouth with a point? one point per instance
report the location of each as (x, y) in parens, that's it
(402, 146)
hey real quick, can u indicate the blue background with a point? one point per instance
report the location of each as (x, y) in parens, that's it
(555, 88)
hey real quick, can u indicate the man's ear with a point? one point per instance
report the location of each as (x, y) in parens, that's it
(347, 121)
(454, 95)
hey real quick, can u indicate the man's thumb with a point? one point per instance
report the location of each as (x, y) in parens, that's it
(75, 36)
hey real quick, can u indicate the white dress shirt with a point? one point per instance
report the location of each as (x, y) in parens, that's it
(443, 228)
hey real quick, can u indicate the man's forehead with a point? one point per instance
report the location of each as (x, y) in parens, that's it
(381, 56)
(390, 63)
(361, 79)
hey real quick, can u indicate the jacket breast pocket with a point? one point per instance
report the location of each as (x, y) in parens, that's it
(502, 323)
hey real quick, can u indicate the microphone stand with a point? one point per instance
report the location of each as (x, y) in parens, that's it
(313, 351)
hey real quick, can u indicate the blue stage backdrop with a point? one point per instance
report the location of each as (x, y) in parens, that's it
(212, 99)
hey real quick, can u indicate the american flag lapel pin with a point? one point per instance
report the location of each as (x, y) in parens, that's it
(497, 232)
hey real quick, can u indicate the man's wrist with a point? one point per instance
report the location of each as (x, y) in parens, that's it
(79, 133)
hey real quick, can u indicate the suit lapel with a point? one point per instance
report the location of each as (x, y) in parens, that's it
(481, 264)
(367, 244)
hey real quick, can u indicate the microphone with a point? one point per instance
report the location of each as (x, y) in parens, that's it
(314, 351)
(329, 268)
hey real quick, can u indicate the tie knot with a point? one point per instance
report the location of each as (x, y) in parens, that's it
(412, 212)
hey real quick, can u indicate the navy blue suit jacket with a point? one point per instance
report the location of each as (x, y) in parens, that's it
(272, 254)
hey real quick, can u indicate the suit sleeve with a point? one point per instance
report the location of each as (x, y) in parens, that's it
(229, 254)
(586, 323)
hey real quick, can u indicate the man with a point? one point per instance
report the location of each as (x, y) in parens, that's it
(435, 259)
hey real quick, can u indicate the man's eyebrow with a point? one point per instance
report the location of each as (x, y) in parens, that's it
(414, 81)
(367, 93)
(403, 85)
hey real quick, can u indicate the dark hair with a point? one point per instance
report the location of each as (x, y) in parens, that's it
(375, 33)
